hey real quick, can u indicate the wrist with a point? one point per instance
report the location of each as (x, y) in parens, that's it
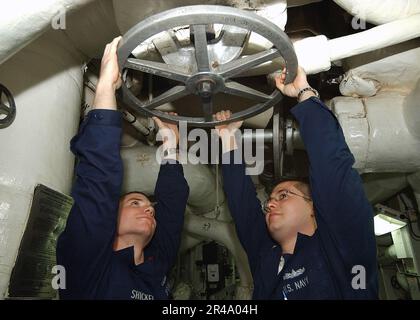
(306, 96)
(105, 97)
(228, 143)
(170, 153)
(302, 86)
(307, 92)
(105, 87)
(169, 140)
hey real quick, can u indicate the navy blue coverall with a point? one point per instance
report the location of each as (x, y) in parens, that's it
(333, 263)
(85, 248)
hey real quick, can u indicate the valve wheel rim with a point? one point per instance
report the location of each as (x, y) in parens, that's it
(10, 110)
(219, 80)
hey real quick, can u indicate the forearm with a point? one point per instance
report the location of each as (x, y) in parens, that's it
(229, 142)
(335, 183)
(321, 133)
(229, 138)
(171, 194)
(245, 209)
(105, 96)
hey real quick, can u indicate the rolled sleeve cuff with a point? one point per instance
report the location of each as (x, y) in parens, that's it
(104, 117)
(310, 105)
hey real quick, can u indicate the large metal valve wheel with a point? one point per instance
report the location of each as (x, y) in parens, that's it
(204, 78)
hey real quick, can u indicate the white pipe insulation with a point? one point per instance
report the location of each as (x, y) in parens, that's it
(315, 54)
(376, 38)
(141, 170)
(46, 79)
(412, 111)
(23, 21)
(380, 11)
(377, 133)
(381, 186)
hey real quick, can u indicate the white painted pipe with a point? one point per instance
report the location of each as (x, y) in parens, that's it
(381, 186)
(326, 51)
(188, 242)
(380, 11)
(411, 111)
(23, 21)
(376, 38)
(46, 80)
(377, 134)
(388, 255)
(355, 86)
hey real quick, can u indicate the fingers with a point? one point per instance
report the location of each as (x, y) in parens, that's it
(119, 82)
(301, 71)
(280, 79)
(111, 48)
(160, 123)
(222, 115)
(114, 45)
(280, 83)
(106, 50)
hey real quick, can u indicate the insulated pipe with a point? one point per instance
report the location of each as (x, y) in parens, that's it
(188, 242)
(46, 79)
(141, 170)
(314, 61)
(380, 11)
(376, 38)
(377, 134)
(382, 186)
(23, 21)
(411, 111)
(225, 234)
(388, 255)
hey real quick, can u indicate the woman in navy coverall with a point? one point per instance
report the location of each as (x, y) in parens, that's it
(117, 247)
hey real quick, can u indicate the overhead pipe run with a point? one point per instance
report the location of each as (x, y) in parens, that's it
(327, 51)
(377, 133)
(25, 20)
(380, 11)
